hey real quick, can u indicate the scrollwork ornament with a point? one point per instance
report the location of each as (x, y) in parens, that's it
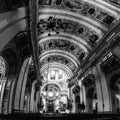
(2, 68)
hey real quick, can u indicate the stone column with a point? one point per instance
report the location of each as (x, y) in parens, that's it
(32, 97)
(11, 96)
(3, 83)
(104, 87)
(28, 104)
(73, 100)
(99, 91)
(73, 103)
(89, 105)
(21, 84)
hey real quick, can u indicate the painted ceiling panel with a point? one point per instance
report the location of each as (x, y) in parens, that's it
(68, 30)
(60, 53)
(68, 37)
(59, 59)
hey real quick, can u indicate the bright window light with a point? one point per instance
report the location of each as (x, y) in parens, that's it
(50, 94)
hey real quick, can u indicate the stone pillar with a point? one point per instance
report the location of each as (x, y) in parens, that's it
(23, 88)
(84, 97)
(6, 97)
(104, 87)
(89, 105)
(72, 98)
(28, 104)
(11, 96)
(37, 100)
(32, 97)
(73, 103)
(21, 84)
(3, 83)
(99, 91)
(81, 91)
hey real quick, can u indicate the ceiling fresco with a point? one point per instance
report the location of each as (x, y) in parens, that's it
(70, 27)
(59, 59)
(68, 30)
(63, 45)
(92, 9)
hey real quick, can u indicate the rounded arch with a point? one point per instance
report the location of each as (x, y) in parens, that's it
(59, 66)
(68, 37)
(95, 25)
(60, 53)
(12, 59)
(52, 83)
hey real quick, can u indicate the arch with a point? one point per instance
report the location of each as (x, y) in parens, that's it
(95, 25)
(51, 83)
(106, 6)
(60, 66)
(60, 53)
(73, 38)
(67, 37)
(21, 85)
(12, 59)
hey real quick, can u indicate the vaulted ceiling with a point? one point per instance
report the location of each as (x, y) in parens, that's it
(68, 30)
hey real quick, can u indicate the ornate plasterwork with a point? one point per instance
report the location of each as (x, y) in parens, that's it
(114, 2)
(59, 59)
(52, 88)
(62, 45)
(86, 20)
(84, 45)
(67, 26)
(2, 68)
(48, 86)
(85, 8)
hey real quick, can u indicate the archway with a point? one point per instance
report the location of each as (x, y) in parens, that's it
(115, 92)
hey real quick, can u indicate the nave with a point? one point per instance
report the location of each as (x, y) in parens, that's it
(60, 59)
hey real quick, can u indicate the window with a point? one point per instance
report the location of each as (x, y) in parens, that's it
(54, 75)
(104, 59)
(110, 54)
